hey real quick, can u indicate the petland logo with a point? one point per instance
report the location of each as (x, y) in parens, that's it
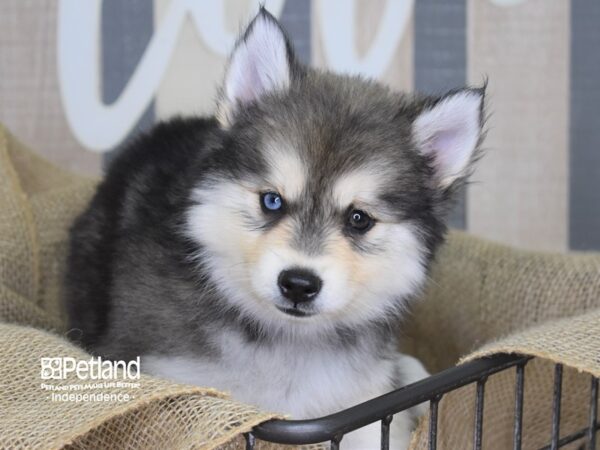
(92, 369)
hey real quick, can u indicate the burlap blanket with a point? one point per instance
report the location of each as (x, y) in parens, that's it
(483, 299)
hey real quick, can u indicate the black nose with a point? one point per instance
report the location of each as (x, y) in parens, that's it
(299, 285)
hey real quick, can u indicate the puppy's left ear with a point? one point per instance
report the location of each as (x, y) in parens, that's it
(261, 63)
(448, 131)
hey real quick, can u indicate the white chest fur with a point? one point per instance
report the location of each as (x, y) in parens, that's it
(303, 381)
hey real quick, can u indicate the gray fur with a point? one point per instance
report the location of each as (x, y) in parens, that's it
(140, 283)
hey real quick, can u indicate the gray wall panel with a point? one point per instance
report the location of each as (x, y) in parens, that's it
(584, 183)
(127, 27)
(295, 18)
(441, 59)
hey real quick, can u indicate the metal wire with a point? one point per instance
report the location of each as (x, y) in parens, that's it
(479, 403)
(593, 423)
(433, 419)
(335, 443)
(558, 372)
(519, 389)
(250, 441)
(572, 438)
(302, 432)
(333, 428)
(385, 432)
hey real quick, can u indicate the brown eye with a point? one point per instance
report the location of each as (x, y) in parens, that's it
(360, 221)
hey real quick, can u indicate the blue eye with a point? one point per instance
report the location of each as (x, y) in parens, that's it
(271, 201)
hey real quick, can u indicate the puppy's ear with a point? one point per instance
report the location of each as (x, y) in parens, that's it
(448, 131)
(261, 63)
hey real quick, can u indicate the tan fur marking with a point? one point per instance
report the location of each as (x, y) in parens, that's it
(247, 260)
(341, 253)
(276, 238)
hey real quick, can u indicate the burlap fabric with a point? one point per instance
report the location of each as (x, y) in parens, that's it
(486, 299)
(37, 204)
(483, 299)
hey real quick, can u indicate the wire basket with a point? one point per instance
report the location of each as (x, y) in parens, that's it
(332, 428)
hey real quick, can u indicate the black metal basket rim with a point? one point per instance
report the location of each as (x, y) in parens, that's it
(325, 428)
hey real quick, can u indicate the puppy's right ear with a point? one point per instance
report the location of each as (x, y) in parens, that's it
(261, 63)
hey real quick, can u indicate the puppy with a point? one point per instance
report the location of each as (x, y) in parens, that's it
(270, 250)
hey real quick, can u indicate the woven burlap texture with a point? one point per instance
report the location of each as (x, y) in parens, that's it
(486, 299)
(483, 299)
(38, 202)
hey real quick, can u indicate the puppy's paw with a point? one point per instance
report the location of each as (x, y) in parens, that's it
(412, 370)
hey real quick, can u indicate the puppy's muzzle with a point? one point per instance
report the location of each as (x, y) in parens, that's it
(299, 285)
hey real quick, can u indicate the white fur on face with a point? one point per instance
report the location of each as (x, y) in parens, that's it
(258, 65)
(287, 173)
(357, 286)
(227, 221)
(449, 132)
(245, 260)
(361, 189)
(360, 185)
